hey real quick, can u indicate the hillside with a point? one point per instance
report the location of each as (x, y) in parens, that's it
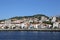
(34, 16)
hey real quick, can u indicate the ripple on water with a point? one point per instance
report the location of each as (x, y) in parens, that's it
(29, 35)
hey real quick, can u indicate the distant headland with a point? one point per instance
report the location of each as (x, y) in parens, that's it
(35, 22)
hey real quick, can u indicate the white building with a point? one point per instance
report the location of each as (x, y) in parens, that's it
(43, 18)
(42, 26)
(53, 19)
(24, 25)
(31, 26)
(47, 20)
(8, 22)
(36, 26)
(49, 25)
(55, 24)
(12, 26)
(30, 20)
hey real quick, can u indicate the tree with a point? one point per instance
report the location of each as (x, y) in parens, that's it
(48, 22)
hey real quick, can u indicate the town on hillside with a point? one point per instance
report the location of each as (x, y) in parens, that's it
(31, 22)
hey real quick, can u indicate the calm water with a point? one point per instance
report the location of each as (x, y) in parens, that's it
(29, 35)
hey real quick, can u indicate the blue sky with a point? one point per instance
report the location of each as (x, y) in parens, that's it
(11, 8)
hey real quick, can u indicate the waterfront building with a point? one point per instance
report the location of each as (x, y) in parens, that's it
(49, 26)
(55, 24)
(44, 26)
(35, 26)
(25, 25)
(53, 19)
(41, 25)
(8, 22)
(12, 26)
(22, 25)
(31, 26)
(2, 25)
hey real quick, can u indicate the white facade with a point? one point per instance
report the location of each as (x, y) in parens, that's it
(31, 26)
(47, 20)
(12, 26)
(41, 26)
(22, 25)
(53, 19)
(36, 26)
(55, 24)
(8, 23)
(49, 25)
(30, 20)
(43, 18)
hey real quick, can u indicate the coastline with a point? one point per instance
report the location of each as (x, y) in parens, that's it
(43, 30)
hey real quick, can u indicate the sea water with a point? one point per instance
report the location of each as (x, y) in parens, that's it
(29, 35)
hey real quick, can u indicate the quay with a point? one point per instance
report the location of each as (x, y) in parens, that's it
(47, 30)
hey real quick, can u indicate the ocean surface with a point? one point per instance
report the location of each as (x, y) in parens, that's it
(29, 35)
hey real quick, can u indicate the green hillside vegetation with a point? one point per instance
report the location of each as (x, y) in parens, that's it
(34, 16)
(20, 17)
